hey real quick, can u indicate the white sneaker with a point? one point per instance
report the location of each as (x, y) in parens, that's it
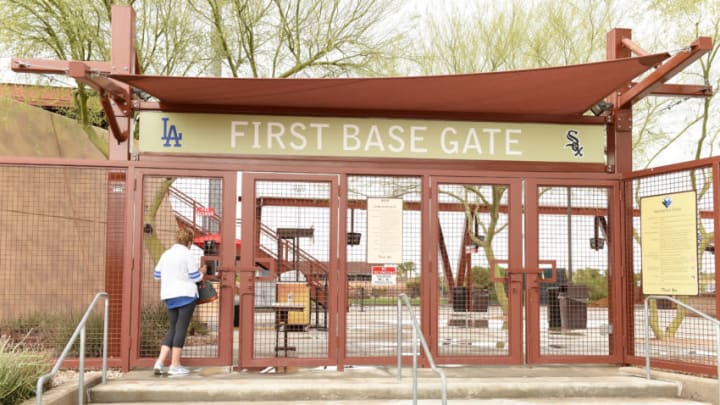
(158, 368)
(179, 370)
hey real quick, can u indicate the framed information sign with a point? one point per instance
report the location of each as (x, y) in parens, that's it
(385, 238)
(668, 230)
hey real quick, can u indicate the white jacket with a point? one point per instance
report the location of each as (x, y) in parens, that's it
(178, 271)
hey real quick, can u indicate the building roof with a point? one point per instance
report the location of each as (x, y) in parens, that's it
(39, 96)
(567, 91)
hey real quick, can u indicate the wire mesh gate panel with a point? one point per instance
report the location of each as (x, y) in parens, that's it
(373, 288)
(55, 257)
(171, 203)
(678, 338)
(472, 285)
(292, 282)
(575, 273)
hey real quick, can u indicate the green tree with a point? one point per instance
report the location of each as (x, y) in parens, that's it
(695, 126)
(301, 38)
(482, 206)
(169, 41)
(256, 38)
(65, 30)
(497, 36)
(494, 36)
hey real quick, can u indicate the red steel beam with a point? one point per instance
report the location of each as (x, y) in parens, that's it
(111, 95)
(123, 57)
(688, 90)
(635, 48)
(80, 71)
(664, 72)
(59, 67)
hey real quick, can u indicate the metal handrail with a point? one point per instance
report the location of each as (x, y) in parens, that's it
(192, 204)
(417, 333)
(688, 307)
(80, 330)
(305, 256)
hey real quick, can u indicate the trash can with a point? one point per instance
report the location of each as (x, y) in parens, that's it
(545, 283)
(553, 308)
(480, 301)
(459, 299)
(573, 307)
(236, 312)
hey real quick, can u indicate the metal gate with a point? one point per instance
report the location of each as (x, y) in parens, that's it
(504, 298)
(288, 266)
(574, 302)
(535, 218)
(194, 200)
(477, 226)
(520, 269)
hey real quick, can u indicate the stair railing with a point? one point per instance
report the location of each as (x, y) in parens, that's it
(416, 336)
(193, 205)
(703, 315)
(80, 330)
(313, 270)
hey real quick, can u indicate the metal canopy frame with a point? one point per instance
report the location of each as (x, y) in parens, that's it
(119, 102)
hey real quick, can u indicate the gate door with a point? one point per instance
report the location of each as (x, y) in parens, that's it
(571, 311)
(288, 270)
(477, 298)
(170, 201)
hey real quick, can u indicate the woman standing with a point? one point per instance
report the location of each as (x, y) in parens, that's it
(178, 272)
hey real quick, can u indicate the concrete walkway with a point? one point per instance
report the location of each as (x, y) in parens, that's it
(491, 385)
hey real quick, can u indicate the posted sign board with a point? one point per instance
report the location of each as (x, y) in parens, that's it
(205, 211)
(384, 275)
(268, 135)
(385, 233)
(668, 229)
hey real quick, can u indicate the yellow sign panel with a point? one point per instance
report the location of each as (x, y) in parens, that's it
(668, 228)
(295, 293)
(265, 135)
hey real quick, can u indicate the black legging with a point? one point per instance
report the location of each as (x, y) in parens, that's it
(179, 322)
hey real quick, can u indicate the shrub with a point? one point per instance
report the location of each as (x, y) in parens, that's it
(595, 280)
(65, 326)
(480, 277)
(379, 292)
(413, 287)
(51, 332)
(19, 372)
(154, 324)
(28, 333)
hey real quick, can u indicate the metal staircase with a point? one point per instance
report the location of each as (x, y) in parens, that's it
(287, 256)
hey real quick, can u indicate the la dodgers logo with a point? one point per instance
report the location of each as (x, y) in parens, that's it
(170, 134)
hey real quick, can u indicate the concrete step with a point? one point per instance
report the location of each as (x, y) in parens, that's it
(356, 389)
(326, 387)
(499, 401)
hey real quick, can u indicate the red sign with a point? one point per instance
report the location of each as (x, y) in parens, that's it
(384, 275)
(205, 211)
(383, 270)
